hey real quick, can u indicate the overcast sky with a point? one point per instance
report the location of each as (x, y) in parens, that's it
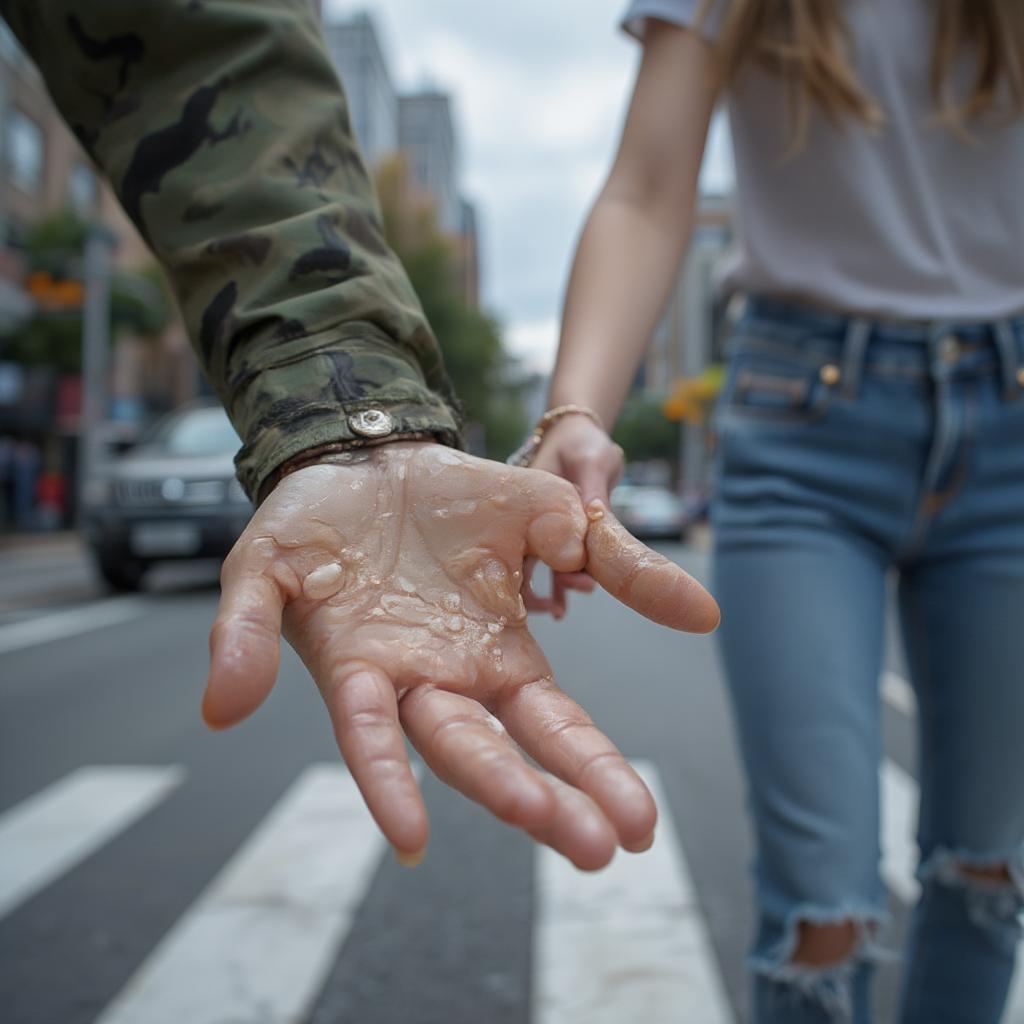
(539, 88)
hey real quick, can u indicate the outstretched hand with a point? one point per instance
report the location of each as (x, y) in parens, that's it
(397, 579)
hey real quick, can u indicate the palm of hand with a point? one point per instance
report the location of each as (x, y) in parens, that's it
(399, 579)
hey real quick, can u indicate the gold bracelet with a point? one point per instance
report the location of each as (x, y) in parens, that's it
(527, 451)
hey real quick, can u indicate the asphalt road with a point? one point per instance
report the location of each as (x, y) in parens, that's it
(87, 681)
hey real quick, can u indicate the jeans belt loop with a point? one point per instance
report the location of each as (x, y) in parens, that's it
(855, 344)
(1009, 363)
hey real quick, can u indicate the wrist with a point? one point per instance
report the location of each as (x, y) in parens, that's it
(524, 455)
(341, 453)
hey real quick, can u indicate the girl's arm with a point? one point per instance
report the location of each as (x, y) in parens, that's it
(629, 254)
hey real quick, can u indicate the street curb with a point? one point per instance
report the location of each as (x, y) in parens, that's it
(41, 543)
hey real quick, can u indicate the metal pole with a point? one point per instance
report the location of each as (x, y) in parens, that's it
(95, 354)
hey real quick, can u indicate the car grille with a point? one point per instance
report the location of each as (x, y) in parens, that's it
(138, 492)
(169, 493)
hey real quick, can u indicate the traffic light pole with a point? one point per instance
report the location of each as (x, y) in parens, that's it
(95, 354)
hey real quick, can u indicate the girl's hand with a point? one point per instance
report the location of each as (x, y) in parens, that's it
(577, 449)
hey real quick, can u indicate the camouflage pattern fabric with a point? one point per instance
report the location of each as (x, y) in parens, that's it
(224, 130)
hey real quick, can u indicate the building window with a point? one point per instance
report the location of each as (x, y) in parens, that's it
(24, 151)
(83, 188)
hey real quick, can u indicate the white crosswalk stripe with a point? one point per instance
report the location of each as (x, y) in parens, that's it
(626, 944)
(258, 944)
(899, 817)
(898, 693)
(46, 629)
(45, 836)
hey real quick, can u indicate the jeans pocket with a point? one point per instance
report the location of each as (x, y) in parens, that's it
(777, 389)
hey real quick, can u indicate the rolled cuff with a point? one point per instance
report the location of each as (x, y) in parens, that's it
(314, 426)
(330, 390)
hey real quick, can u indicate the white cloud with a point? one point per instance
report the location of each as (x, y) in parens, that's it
(534, 343)
(540, 90)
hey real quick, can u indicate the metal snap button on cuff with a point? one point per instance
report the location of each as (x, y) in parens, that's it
(830, 374)
(1020, 376)
(371, 423)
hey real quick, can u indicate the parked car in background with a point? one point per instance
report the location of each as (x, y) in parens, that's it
(173, 496)
(649, 512)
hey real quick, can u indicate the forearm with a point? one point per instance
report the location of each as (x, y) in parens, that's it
(223, 129)
(626, 263)
(634, 240)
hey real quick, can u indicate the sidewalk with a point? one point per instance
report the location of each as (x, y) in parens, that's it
(60, 541)
(39, 570)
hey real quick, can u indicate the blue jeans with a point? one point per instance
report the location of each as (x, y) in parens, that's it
(848, 449)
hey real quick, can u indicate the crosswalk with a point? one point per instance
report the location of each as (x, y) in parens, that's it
(48, 834)
(627, 944)
(257, 945)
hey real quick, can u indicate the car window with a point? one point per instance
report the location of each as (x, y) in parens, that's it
(198, 432)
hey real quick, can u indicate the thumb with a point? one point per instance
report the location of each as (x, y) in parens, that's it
(644, 580)
(245, 649)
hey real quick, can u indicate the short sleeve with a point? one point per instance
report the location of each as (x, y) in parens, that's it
(677, 12)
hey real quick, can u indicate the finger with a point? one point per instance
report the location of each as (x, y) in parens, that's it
(558, 595)
(562, 583)
(577, 814)
(533, 601)
(595, 477)
(558, 525)
(581, 581)
(644, 580)
(554, 730)
(245, 647)
(361, 701)
(466, 748)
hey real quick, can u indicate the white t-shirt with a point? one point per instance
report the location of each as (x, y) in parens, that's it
(910, 222)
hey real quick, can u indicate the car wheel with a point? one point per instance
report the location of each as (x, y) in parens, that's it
(124, 574)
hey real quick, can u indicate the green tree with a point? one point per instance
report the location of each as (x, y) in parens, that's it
(645, 432)
(469, 338)
(54, 254)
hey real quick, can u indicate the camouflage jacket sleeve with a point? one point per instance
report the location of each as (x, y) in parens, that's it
(224, 131)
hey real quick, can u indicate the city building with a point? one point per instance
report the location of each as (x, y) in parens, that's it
(426, 133)
(43, 172)
(418, 130)
(358, 56)
(468, 247)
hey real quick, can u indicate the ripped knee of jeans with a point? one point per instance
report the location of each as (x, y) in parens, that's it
(828, 987)
(992, 886)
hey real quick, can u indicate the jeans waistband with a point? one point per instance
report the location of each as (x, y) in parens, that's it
(941, 346)
(807, 317)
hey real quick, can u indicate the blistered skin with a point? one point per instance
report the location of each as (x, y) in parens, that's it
(397, 575)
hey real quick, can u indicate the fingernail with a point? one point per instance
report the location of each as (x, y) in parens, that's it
(595, 510)
(643, 846)
(410, 860)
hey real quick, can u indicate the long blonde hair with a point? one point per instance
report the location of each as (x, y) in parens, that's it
(807, 43)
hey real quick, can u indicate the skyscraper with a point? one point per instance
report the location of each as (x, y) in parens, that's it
(358, 56)
(427, 135)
